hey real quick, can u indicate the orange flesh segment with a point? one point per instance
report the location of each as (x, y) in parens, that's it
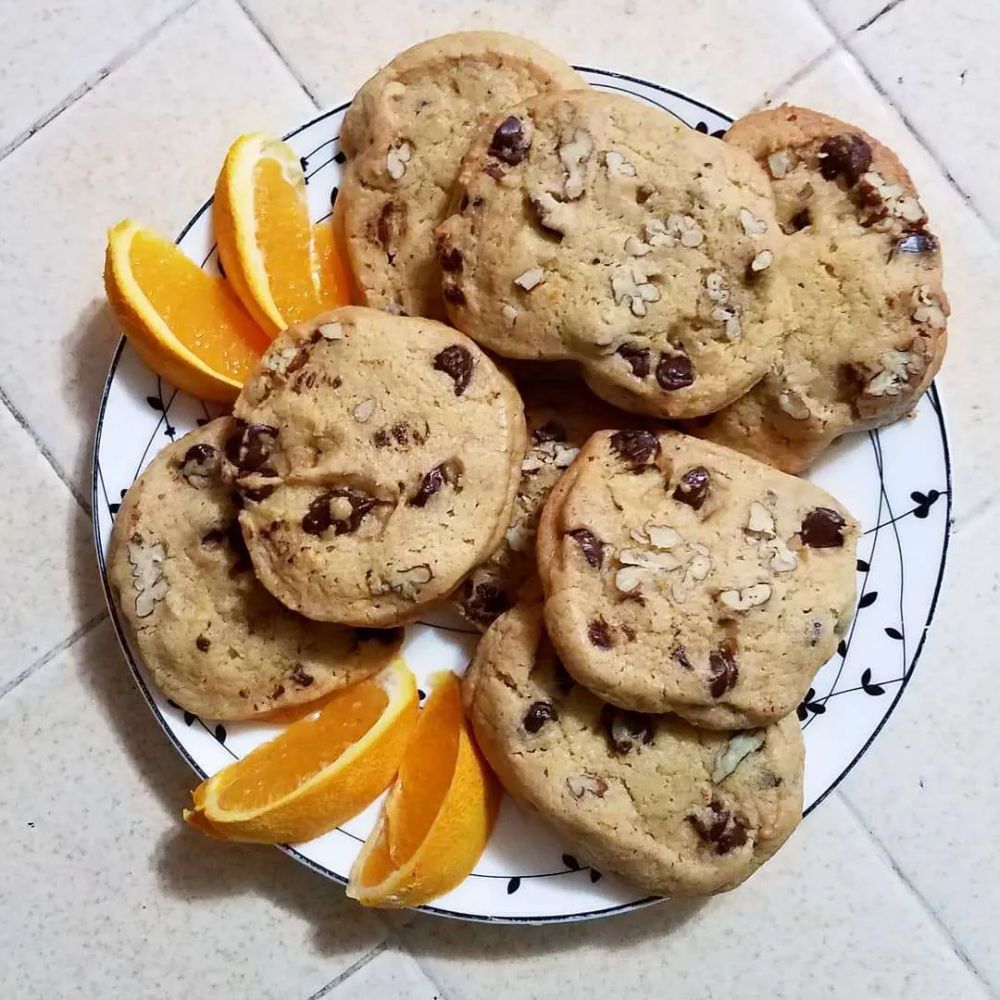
(283, 235)
(199, 309)
(305, 748)
(423, 781)
(334, 279)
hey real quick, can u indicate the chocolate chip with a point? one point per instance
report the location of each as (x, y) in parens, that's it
(823, 528)
(508, 143)
(680, 655)
(257, 493)
(320, 517)
(918, 242)
(638, 448)
(450, 259)
(590, 545)
(694, 487)
(301, 357)
(454, 295)
(637, 357)
(674, 371)
(400, 433)
(717, 826)
(599, 634)
(626, 730)
(301, 677)
(493, 170)
(484, 602)
(629, 632)
(723, 672)
(846, 155)
(432, 483)
(383, 636)
(552, 430)
(390, 228)
(456, 362)
(200, 454)
(203, 643)
(381, 438)
(538, 714)
(250, 445)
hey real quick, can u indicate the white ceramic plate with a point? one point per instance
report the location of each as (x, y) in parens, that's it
(896, 481)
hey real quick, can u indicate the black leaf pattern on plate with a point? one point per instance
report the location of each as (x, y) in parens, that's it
(867, 600)
(304, 163)
(893, 633)
(808, 705)
(867, 686)
(170, 431)
(421, 694)
(201, 421)
(595, 875)
(719, 133)
(701, 127)
(114, 507)
(220, 733)
(339, 157)
(924, 502)
(189, 717)
(842, 647)
(173, 704)
(333, 196)
(155, 403)
(222, 270)
(571, 863)
(863, 567)
(513, 885)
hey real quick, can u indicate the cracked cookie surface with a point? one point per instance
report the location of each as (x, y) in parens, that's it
(674, 809)
(405, 134)
(867, 325)
(215, 641)
(681, 576)
(378, 458)
(593, 227)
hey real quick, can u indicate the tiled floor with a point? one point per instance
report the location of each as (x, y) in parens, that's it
(889, 890)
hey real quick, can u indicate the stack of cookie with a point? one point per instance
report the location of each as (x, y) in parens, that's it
(656, 600)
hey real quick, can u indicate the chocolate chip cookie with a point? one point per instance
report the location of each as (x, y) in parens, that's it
(673, 809)
(592, 227)
(868, 313)
(214, 639)
(681, 576)
(560, 418)
(405, 135)
(378, 458)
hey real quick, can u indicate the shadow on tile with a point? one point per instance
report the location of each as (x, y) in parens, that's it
(188, 865)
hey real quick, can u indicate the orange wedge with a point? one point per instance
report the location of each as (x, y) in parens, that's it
(282, 269)
(319, 772)
(438, 815)
(185, 324)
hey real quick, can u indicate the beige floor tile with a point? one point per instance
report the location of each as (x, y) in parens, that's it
(146, 142)
(106, 894)
(49, 586)
(927, 787)
(710, 49)
(826, 917)
(937, 61)
(391, 973)
(972, 273)
(49, 50)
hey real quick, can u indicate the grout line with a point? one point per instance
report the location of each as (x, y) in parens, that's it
(400, 946)
(771, 96)
(929, 910)
(46, 454)
(885, 10)
(91, 82)
(350, 970)
(274, 48)
(54, 652)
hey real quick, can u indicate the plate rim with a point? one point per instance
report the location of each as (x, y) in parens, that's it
(932, 394)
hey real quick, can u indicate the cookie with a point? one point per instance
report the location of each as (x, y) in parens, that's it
(868, 314)
(560, 417)
(593, 227)
(378, 458)
(215, 641)
(405, 135)
(681, 576)
(673, 809)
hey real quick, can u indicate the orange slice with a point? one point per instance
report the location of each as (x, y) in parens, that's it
(319, 772)
(438, 815)
(185, 324)
(271, 255)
